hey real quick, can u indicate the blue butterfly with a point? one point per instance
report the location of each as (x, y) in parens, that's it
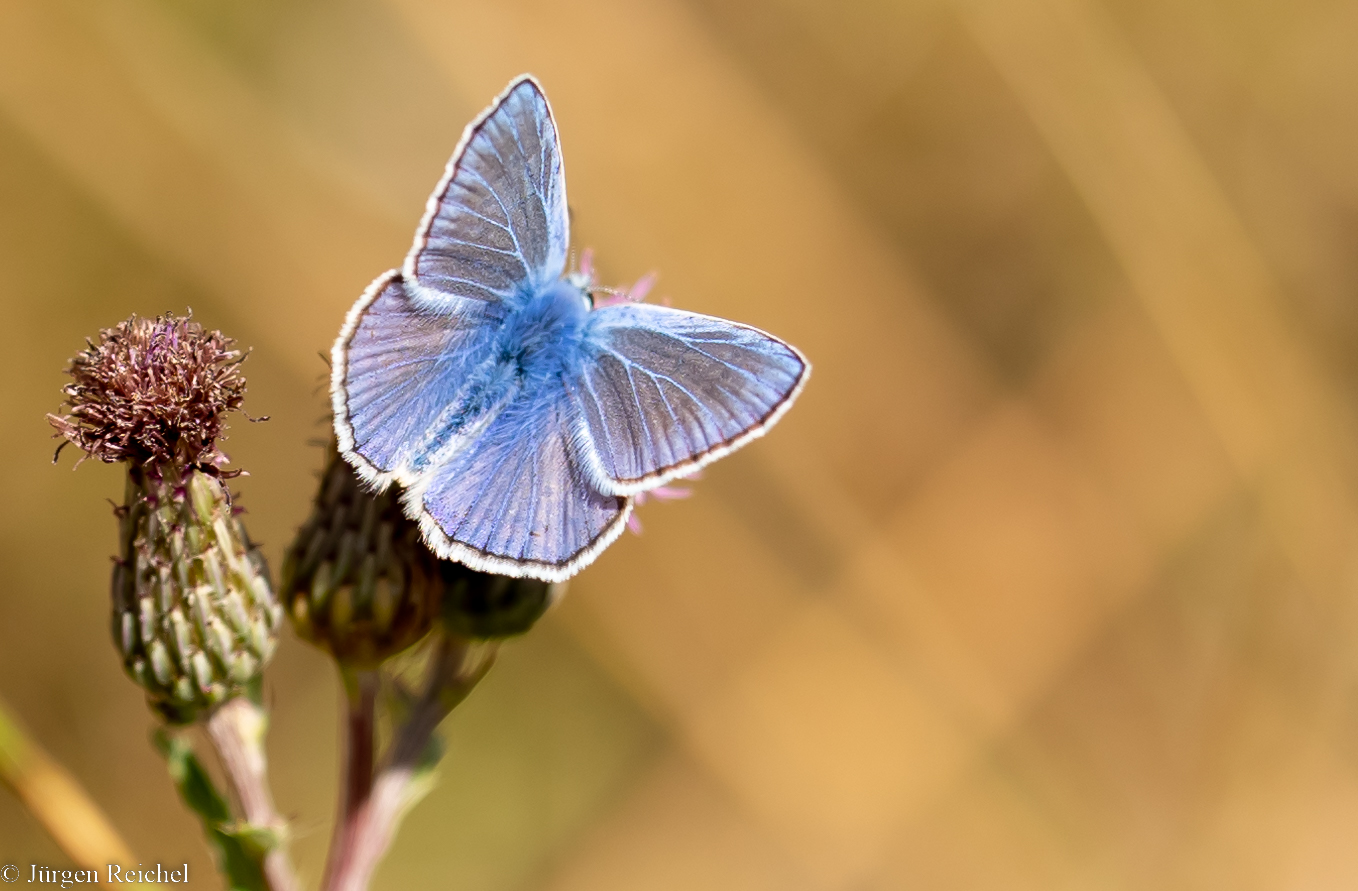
(520, 418)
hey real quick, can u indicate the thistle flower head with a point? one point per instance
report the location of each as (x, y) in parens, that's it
(485, 606)
(194, 615)
(152, 392)
(360, 583)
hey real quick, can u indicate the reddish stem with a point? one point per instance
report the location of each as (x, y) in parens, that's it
(374, 823)
(360, 689)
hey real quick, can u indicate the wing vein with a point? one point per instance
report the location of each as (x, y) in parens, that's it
(512, 234)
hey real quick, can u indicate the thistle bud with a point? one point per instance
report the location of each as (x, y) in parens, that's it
(358, 580)
(481, 605)
(194, 616)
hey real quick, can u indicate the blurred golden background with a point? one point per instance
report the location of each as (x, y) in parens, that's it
(1049, 581)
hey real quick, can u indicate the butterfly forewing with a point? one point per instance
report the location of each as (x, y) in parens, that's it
(400, 370)
(666, 391)
(496, 227)
(514, 502)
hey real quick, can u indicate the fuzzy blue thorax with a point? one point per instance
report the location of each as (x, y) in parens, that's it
(535, 346)
(543, 338)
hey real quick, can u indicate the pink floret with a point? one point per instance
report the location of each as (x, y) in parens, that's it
(659, 493)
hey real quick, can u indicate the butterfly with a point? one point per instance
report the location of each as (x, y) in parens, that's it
(520, 418)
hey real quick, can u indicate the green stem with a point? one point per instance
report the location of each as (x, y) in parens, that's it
(236, 730)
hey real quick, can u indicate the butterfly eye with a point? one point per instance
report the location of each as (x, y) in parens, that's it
(582, 283)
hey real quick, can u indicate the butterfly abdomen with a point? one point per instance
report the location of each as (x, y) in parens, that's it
(488, 388)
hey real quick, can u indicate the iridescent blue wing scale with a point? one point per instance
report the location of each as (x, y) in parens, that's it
(495, 229)
(667, 391)
(514, 502)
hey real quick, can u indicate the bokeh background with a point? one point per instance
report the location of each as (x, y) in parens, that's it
(1049, 581)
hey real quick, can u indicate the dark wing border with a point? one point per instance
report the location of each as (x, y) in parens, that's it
(451, 549)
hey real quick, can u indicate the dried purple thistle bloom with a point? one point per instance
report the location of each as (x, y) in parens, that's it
(152, 392)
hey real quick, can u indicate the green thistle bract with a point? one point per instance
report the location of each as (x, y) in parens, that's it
(360, 583)
(194, 616)
(481, 605)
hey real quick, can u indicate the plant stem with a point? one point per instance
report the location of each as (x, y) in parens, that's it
(57, 801)
(396, 787)
(360, 688)
(236, 730)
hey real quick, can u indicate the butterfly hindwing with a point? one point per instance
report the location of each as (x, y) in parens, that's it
(666, 391)
(496, 227)
(513, 501)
